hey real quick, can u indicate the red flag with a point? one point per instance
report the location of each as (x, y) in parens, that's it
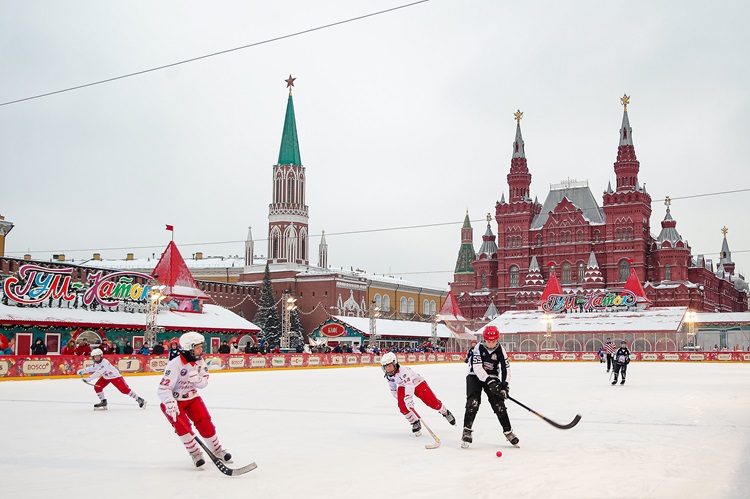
(170, 227)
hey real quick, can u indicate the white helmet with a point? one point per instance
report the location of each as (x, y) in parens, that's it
(190, 339)
(96, 351)
(388, 359)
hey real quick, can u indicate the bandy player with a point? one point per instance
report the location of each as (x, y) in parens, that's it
(405, 384)
(181, 404)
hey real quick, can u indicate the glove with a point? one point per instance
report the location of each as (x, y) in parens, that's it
(171, 408)
(498, 389)
(79, 372)
(408, 401)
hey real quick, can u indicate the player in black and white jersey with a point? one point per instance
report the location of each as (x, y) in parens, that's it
(489, 370)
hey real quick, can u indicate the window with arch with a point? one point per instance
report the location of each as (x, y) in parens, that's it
(624, 270)
(378, 300)
(580, 236)
(433, 307)
(513, 272)
(386, 303)
(290, 190)
(566, 277)
(630, 234)
(618, 235)
(402, 305)
(425, 307)
(581, 272)
(410, 306)
(484, 280)
(538, 239)
(596, 236)
(552, 238)
(667, 272)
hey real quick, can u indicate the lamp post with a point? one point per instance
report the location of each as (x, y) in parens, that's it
(155, 297)
(547, 319)
(374, 313)
(690, 318)
(286, 322)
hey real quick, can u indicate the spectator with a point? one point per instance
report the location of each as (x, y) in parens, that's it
(298, 348)
(158, 349)
(83, 348)
(115, 349)
(337, 348)
(224, 348)
(105, 348)
(70, 348)
(468, 352)
(39, 348)
(234, 348)
(144, 350)
(306, 349)
(127, 349)
(249, 347)
(174, 350)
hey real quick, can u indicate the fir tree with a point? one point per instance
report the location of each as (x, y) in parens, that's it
(296, 327)
(267, 317)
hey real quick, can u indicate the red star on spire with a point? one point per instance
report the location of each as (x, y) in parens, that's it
(290, 82)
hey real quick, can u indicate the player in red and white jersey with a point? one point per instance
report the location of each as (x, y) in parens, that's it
(181, 404)
(107, 373)
(405, 384)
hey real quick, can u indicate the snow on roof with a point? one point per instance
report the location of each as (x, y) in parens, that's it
(218, 262)
(654, 319)
(388, 327)
(213, 318)
(361, 274)
(722, 317)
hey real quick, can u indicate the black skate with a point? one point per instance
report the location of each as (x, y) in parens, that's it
(416, 428)
(623, 381)
(101, 406)
(466, 438)
(512, 438)
(615, 381)
(141, 402)
(198, 459)
(450, 417)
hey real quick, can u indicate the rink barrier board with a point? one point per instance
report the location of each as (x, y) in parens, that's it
(27, 366)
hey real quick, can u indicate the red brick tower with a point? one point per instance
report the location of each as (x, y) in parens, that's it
(627, 210)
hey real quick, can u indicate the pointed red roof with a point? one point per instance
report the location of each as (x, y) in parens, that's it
(450, 311)
(553, 286)
(172, 271)
(634, 286)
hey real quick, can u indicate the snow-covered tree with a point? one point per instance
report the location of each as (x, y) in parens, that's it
(267, 317)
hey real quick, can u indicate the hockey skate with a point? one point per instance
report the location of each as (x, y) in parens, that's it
(416, 428)
(450, 417)
(101, 406)
(466, 438)
(512, 438)
(614, 382)
(198, 460)
(623, 381)
(141, 402)
(223, 455)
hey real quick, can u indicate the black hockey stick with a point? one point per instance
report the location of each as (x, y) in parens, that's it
(220, 463)
(556, 425)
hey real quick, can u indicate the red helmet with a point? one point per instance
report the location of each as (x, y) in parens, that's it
(491, 333)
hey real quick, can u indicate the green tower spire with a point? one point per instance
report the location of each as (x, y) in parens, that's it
(289, 151)
(466, 253)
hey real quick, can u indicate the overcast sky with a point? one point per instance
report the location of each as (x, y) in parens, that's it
(404, 119)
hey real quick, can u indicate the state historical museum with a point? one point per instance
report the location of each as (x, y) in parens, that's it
(589, 247)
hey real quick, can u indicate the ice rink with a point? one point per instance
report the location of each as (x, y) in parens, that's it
(673, 430)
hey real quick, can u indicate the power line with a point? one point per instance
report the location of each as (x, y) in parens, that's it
(350, 232)
(255, 44)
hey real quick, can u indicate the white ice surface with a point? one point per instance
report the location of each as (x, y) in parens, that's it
(674, 430)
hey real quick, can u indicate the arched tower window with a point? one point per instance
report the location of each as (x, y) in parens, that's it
(538, 239)
(624, 270)
(581, 272)
(513, 272)
(667, 273)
